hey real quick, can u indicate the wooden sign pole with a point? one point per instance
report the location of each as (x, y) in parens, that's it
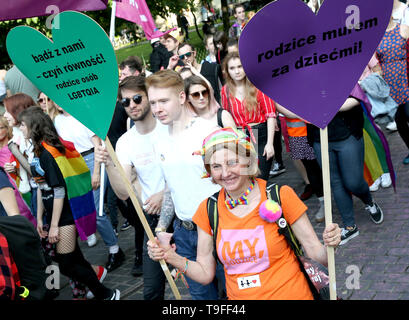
(328, 210)
(141, 215)
(101, 186)
(101, 190)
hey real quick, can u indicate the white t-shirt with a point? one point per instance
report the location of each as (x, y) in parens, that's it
(18, 138)
(137, 150)
(183, 170)
(70, 129)
(23, 145)
(401, 15)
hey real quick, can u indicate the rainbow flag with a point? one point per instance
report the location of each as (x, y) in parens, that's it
(77, 178)
(377, 154)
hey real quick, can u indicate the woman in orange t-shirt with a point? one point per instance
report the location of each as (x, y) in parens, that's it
(258, 262)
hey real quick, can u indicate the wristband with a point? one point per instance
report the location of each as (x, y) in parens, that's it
(25, 293)
(180, 274)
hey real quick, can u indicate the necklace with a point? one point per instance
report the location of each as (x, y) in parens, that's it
(231, 203)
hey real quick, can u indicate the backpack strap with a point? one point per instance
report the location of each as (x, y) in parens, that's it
(213, 215)
(219, 118)
(273, 193)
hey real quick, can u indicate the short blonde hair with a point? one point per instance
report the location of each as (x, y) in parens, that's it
(165, 79)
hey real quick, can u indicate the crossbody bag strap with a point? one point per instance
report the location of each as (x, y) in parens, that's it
(213, 215)
(219, 117)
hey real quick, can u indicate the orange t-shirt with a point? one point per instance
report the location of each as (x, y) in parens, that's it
(258, 262)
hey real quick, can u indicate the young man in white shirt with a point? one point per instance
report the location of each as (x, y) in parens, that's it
(135, 151)
(182, 170)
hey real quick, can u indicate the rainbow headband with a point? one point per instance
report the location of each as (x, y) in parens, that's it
(224, 136)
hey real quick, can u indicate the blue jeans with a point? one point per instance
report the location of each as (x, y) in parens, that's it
(346, 160)
(154, 279)
(186, 246)
(104, 225)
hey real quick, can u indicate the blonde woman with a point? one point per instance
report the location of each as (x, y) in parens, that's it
(231, 162)
(203, 104)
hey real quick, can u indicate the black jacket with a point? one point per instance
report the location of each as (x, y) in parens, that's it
(159, 57)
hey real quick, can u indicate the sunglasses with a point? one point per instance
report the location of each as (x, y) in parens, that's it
(198, 94)
(41, 100)
(186, 55)
(137, 98)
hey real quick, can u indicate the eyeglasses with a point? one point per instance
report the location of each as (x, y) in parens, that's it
(198, 94)
(41, 100)
(186, 55)
(137, 98)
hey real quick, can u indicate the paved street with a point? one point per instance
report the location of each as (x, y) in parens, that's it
(380, 252)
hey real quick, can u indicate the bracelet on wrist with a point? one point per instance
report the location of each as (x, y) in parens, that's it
(186, 265)
(180, 272)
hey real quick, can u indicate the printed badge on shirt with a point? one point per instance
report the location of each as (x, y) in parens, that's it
(249, 282)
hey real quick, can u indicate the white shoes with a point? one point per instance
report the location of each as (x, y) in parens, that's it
(384, 181)
(375, 186)
(320, 215)
(92, 240)
(391, 126)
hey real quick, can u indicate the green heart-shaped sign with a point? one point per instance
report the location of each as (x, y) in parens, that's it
(78, 69)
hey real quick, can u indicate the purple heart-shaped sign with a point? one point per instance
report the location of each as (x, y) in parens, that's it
(310, 63)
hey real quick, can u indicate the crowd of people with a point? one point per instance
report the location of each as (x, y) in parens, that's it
(185, 132)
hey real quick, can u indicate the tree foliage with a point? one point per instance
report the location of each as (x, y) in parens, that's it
(103, 17)
(38, 23)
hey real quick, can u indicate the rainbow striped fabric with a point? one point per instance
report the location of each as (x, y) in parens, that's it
(77, 178)
(225, 136)
(377, 154)
(231, 203)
